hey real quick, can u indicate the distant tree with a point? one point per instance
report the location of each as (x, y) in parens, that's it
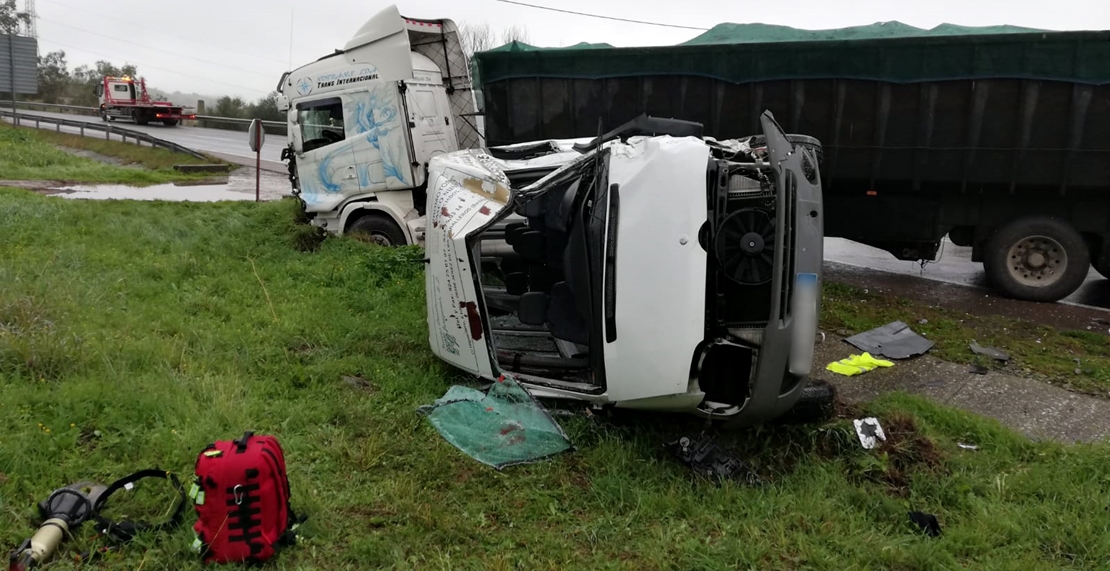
(480, 37)
(514, 33)
(229, 107)
(54, 78)
(12, 19)
(475, 37)
(266, 109)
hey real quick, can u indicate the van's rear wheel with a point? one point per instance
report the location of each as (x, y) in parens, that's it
(377, 229)
(1036, 258)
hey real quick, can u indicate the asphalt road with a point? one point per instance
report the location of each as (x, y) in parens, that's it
(231, 146)
(953, 266)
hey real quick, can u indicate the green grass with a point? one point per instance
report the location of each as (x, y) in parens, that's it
(34, 154)
(1036, 350)
(146, 324)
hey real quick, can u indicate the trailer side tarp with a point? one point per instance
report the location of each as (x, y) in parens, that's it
(961, 53)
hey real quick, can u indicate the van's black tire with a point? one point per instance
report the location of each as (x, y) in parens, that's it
(377, 229)
(1006, 259)
(817, 404)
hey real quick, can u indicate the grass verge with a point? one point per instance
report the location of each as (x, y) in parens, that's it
(33, 154)
(1038, 351)
(132, 334)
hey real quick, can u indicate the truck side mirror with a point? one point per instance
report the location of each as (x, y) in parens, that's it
(295, 131)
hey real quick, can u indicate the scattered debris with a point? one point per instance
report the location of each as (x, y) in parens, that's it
(923, 322)
(1078, 366)
(707, 458)
(894, 340)
(857, 365)
(967, 446)
(927, 522)
(869, 432)
(977, 369)
(993, 353)
(504, 427)
(359, 383)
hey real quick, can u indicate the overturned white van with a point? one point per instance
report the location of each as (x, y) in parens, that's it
(650, 268)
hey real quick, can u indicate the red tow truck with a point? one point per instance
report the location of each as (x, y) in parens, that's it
(123, 97)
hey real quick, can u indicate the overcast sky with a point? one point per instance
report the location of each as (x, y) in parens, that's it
(241, 47)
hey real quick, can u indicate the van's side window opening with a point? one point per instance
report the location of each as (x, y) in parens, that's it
(321, 123)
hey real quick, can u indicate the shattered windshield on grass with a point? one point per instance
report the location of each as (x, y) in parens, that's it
(500, 428)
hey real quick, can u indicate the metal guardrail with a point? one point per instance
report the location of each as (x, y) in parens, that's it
(107, 128)
(94, 111)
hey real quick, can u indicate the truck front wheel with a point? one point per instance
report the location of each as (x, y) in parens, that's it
(1036, 258)
(377, 229)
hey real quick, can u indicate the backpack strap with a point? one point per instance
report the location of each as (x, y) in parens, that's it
(124, 531)
(241, 443)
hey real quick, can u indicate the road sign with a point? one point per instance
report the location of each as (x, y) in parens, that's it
(257, 135)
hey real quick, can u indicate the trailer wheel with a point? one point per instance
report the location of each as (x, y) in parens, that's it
(138, 117)
(377, 229)
(1036, 258)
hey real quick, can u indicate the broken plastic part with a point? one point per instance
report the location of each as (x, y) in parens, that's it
(927, 522)
(894, 340)
(993, 353)
(706, 458)
(869, 431)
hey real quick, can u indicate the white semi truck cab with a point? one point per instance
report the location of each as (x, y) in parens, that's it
(365, 121)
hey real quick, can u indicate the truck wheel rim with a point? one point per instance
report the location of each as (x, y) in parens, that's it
(1037, 261)
(374, 238)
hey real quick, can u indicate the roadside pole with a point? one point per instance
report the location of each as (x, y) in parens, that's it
(257, 136)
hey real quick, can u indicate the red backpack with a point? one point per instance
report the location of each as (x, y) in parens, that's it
(241, 494)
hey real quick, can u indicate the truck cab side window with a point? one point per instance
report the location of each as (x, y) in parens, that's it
(321, 123)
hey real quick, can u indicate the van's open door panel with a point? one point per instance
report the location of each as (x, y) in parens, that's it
(465, 197)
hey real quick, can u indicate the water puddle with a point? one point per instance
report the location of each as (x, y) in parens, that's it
(168, 192)
(239, 185)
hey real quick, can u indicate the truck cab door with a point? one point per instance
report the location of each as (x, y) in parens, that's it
(325, 159)
(429, 113)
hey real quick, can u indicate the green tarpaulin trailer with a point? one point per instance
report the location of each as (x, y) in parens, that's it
(998, 137)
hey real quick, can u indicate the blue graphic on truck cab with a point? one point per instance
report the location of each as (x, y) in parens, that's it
(325, 177)
(373, 116)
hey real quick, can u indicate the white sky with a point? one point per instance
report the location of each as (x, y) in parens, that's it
(241, 47)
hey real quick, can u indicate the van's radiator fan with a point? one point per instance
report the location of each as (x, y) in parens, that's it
(746, 246)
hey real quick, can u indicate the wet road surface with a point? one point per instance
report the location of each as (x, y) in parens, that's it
(953, 266)
(231, 146)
